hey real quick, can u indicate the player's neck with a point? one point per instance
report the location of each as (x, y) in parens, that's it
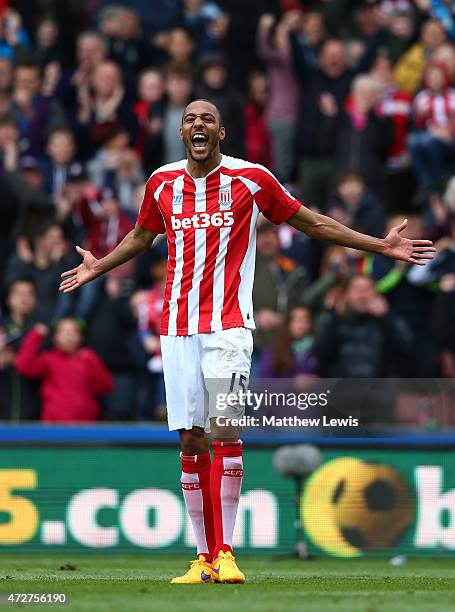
(201, 169)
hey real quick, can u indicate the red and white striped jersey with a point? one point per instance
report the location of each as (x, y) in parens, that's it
(210, 225)
(435, 108)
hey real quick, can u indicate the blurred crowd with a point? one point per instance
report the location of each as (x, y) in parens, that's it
(350, 103)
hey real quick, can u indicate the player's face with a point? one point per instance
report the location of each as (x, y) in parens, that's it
(201, 131)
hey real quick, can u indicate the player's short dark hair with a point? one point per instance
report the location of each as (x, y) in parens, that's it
(220, 118)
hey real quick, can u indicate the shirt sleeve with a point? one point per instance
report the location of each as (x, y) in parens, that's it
(149, 216)
(273, 200)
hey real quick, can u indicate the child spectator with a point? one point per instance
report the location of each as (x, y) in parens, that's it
(432, 144)
(73, 378)
(356, 206)
(291, 353)
(19, 397)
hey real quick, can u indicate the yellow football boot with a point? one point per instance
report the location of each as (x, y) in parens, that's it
(200, 571)
(224, 569)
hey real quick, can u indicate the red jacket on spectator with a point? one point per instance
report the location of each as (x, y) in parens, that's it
(103, 234)
(71, 383)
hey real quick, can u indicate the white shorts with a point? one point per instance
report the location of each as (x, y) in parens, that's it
(191, 366)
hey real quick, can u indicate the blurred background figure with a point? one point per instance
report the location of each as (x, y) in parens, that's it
(82, 377)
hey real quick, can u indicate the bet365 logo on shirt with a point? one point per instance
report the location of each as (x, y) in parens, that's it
(202, 220)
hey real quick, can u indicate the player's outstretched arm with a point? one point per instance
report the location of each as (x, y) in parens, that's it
(136, 241)
(394, 245)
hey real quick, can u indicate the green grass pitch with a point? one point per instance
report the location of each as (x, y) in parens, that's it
(121, 583)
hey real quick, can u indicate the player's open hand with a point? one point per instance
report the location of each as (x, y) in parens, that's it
(404, 249)
(84, 273)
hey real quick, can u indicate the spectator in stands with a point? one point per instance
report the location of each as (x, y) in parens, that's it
(41, 259)
(409, 301)
(105, 225)
(113, 313)
(274, 49)
(366, 340)
(25, 204)
(146, 306)
(34, 106)
(279, 284)
(410, 67)
(14, 40)
(18, 396)
(91, 49)
(48, 43)
(149, 110)
(354, 205)
(117, 166)
(61, 152)
(178, 45)
(207, 23)
(291, 353)
(258, 143)
(73, 378)
(126, 45)
(362, 137)
(446, 55)
(396, 105)
(178, 85)
(443, 232)
(432, 143)
(328, 291)
(103, 107)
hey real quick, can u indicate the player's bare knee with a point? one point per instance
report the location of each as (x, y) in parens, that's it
(193, 441)
(228, 434)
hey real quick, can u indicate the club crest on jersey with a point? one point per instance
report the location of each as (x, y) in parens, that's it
(225, 199)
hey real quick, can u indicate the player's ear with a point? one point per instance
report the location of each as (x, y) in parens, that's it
(222, 133)
(181, 133)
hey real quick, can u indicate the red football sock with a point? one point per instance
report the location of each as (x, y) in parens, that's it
(225, 485)
(196, 492)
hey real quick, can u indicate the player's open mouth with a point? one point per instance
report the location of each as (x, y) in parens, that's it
(199, 141)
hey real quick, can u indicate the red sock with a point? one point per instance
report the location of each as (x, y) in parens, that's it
(225, 485)
(196, 492)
